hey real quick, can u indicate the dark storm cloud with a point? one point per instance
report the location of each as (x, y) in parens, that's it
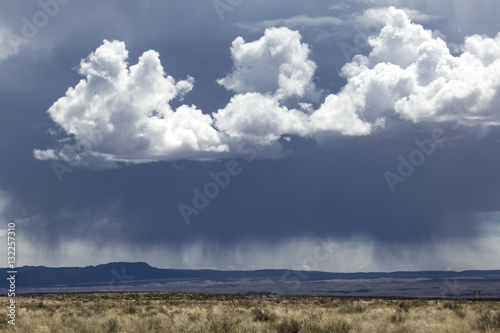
(339, 191)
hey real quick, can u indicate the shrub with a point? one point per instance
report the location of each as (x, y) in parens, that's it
(260, 315)
(397, 317)
(288, 326)
(130, 310)
(245, 303)
(97, 308)
(35, 306)
(220, 324)
(455, 307)
(340, 326)
(84, 312)
(111, 326)
(154, 324)
(405, 306)
(488, 321)
(350, 308)
(194, 316)
(419, 302)
(452, 306)
(4, 320)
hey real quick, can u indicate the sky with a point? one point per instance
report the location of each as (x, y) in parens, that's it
(343, 136)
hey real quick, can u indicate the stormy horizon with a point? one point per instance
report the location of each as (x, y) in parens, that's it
(335, 136)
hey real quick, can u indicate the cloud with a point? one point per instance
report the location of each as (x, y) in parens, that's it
(278, 63)
(292, 22)
(442, 87)
(4, 202)
(119, 113)
(408, 75)
(278, 66)
(484, 48)
(340, 113)
(259, 118)
(9, 207)
(399, 40)
(305, 253)
(412, 73)
(123, 114)
(376, 17)
(339, 6)
(10, 43)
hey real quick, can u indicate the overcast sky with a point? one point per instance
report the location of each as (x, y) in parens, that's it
(235, 134)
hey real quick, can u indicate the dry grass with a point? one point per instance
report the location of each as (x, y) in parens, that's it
(176, 312)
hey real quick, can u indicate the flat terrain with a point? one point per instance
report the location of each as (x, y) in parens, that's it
(138, 277)
(187, 312)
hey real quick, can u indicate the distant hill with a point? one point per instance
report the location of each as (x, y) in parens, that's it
(140, 276)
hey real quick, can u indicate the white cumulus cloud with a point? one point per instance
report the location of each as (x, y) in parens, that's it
(259, 118)
(278, 63)
(413, 74)
(486, 49)
(122, 113)
(268, 71)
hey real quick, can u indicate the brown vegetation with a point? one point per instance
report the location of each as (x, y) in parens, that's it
(178, 312)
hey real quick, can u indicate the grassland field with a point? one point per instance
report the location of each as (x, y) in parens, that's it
(136, 312)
